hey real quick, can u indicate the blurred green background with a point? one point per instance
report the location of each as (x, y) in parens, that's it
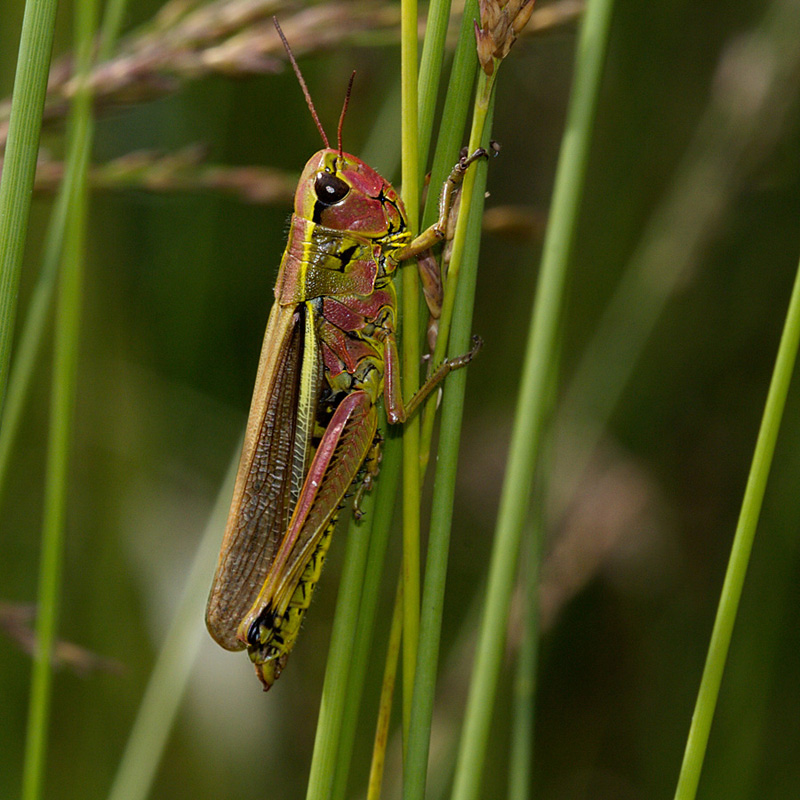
(178, 288)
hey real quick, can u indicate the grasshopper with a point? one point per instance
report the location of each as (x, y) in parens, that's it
(329, 355)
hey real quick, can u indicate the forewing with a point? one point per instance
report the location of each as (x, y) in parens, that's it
(271, 468)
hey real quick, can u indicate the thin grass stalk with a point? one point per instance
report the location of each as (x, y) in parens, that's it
(32, 334)
(524, 694)
(740, 552)
(387, 693)
(520, 765)
(416, 760)
(529, 418)
(451, 674)
(334, 690)
(416, 763)
(113, 15)
(65, 363)
(19, 167)
(430, 71)
(385, 496)
(70, 209)
(67, 225)
(757, 664)
(448, 144)
(170, 676)
(454, 116)
(483, 96)
(454, 113)
(50, 567)
(410, 352)
(428, 89)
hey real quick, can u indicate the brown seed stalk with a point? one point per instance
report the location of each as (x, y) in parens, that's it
(501, 23)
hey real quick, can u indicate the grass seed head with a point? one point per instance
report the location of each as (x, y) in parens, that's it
(501, 23)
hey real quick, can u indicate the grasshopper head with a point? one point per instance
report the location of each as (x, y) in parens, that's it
(339, 191)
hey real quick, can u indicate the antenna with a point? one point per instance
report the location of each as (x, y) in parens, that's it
(299, 74)
(344, 111)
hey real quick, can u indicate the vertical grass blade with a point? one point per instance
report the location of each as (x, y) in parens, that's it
(32, 332)
(113, 15)
(520, 767)
(410, 352)
(385, 495)
(65, 363)
(387, 693)
(454, 114)
(61, 411)
(337, 671)
(430, 70)
(448, 143)
(483, 97)
(414, 775)
(19, 167)
(740, 552)
(528, 423)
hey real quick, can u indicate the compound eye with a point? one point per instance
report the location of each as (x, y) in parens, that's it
(330, 189)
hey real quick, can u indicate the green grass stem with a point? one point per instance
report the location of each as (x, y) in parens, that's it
(529, 418)
(65, 364)
(520, 763)
(448, 144)
(469, 227)
(524, 694)
(430, 71)
(483, 97)
(385, 495)
(387, 694)
(337, 671)
(457, 103)
(113, 16)
(68, 225)
(454, 113)
(61, 413)
(449, 140)
(740, 552)
(410, 299)
(19, 166)
(32, 333)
